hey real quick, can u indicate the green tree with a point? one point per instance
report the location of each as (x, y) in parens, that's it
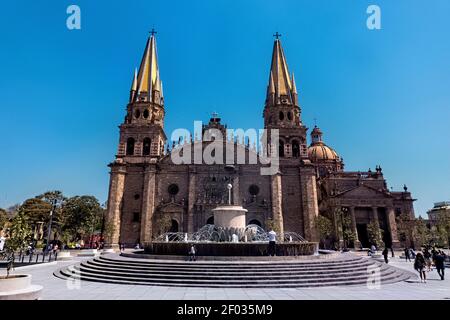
(325, 229)
(345, 225)
(19, 233)
(3, 218)
(443, 227)
(375, 233)
(36, 210)
(163, 224)
(272, 224)
(81, 216)
(421, 234)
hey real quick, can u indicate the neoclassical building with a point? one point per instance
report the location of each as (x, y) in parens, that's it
(147, 187)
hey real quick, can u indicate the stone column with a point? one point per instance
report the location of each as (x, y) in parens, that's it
(337, 228)
(148, 204)
(392, 226)
(277, 197)
(309, 202)
(357, 243)
(191, 199)
(375, 214)
(115, 196)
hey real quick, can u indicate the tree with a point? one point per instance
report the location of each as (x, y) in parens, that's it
(443, 227)
(375, 233)
(405, 227)
(345, 225)
(19, 233)
(3, 218)
(163, 223)
(325, 228)
(421, 234)
(81, 216)
(36, 210)
(272, 224)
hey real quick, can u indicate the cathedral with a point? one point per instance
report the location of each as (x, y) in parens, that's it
(147, 187)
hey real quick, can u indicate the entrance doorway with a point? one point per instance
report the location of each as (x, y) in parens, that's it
(174, 226)
(363, 236)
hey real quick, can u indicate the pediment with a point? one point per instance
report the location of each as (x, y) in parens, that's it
(364, 192)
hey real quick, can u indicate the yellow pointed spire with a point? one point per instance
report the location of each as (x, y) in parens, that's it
(281, 84)
(148, 70)
(271, 88)
(134, 84)
(294, 87)
(279, 70)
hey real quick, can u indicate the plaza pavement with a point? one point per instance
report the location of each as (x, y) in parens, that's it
(57, 289)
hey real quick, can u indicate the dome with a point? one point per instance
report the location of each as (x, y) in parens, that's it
(320, 151)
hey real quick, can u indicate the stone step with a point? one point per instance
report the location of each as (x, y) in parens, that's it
(131, 261)
(349, 269)
(395, 277)
(195, 264)
(213, 276)
(345, 270)
(235, 269)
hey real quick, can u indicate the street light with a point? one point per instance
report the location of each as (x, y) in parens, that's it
(54, 202)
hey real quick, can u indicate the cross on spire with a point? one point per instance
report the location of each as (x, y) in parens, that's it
(153, 32)
(315, 122)
(277, 35)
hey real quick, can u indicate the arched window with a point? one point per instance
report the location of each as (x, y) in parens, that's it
(254, 221)
(295, 149)
(130, 146)
(146, 146)
(210, 220)
(146, 113)
(281, 115)
(281, 148)
(289, 116)
(174, 226)
(137, 113)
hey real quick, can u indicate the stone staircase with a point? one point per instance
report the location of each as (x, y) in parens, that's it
(347, 269)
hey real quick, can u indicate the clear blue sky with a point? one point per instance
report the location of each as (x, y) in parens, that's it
(381, 97)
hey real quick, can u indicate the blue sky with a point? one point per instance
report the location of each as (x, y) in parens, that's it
(381, 97)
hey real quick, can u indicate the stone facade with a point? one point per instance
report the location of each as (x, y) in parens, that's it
(146, 186)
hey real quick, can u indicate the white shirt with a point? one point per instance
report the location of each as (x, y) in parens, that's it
(272, 235)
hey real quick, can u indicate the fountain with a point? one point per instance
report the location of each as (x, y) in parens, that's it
(229, 236)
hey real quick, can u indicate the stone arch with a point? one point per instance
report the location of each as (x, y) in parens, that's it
(255, 221)
(175, 226)
(295, 148)
(210, 220)
(281, 148)
(130, 146)
(146, 146)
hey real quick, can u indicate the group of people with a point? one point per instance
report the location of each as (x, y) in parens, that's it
(424, 261)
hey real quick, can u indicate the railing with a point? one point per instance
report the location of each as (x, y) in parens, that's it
(34, 258)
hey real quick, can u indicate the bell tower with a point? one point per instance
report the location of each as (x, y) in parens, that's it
(282, 110)
(142, 133)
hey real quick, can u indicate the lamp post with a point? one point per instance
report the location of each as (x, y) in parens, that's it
(50, 224)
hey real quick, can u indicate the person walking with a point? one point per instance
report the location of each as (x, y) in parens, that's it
(419, 265)
(407, 255)
(439, 262)
(427, 257)
(392, 251)
(386, 254)
(272, 240)
(192, 252)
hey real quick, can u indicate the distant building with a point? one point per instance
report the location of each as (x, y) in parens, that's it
(438, 209)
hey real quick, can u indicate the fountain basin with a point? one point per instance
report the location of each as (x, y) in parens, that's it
(229, 216)
(230, 248)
